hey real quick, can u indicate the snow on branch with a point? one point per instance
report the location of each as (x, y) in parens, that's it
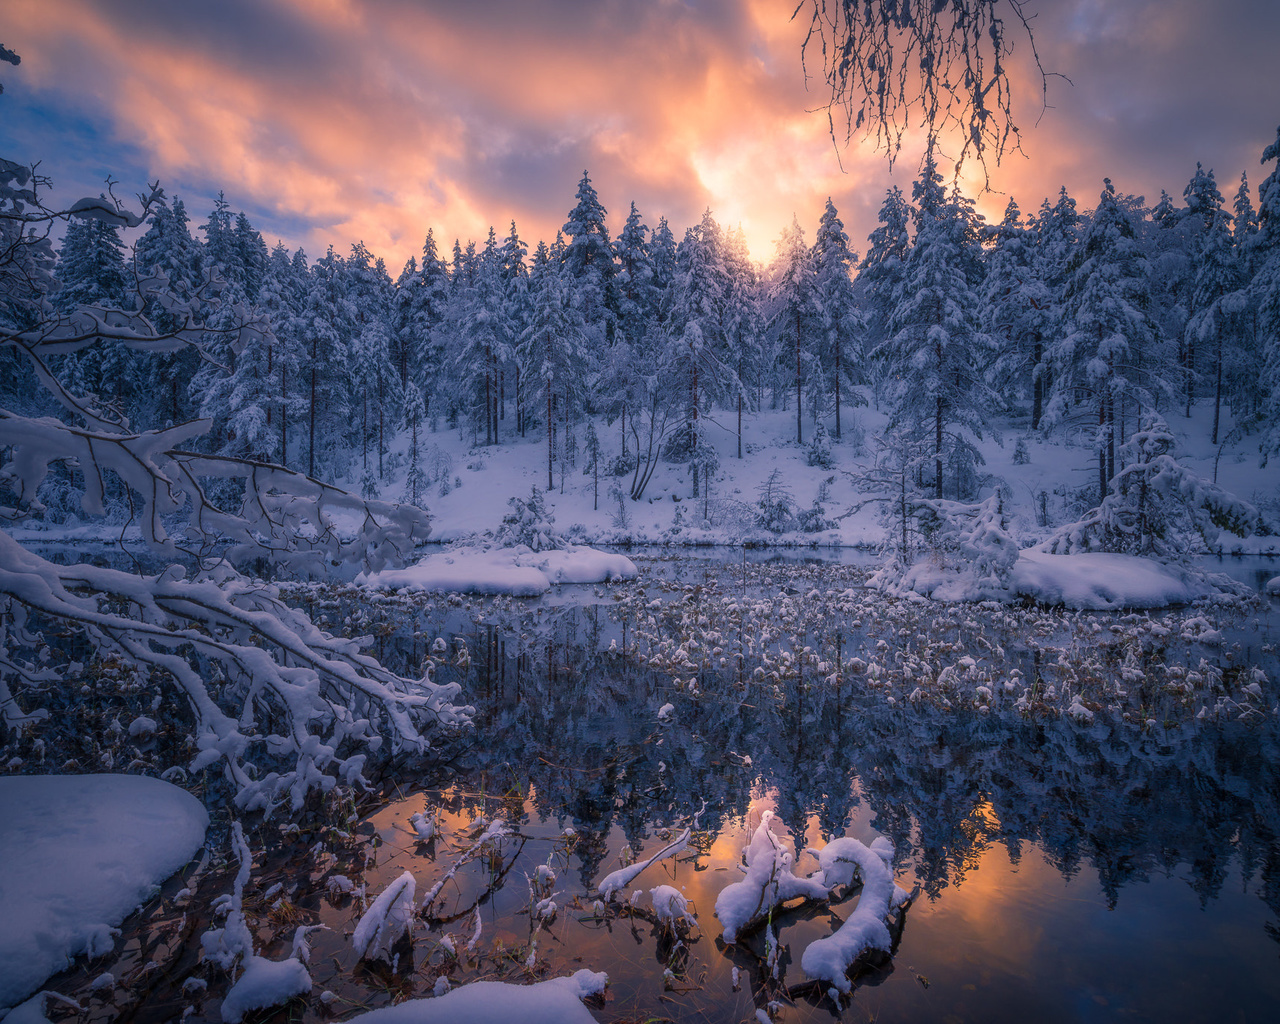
(338, 705)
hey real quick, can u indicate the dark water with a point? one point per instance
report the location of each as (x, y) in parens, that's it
(1116, 863)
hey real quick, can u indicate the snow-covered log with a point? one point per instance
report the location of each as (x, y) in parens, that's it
(769, 883)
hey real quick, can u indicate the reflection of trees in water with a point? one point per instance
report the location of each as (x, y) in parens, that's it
(559, 711)
(945, 784)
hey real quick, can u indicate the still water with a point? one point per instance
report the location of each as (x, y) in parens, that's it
(1118, 861)
(1086, 806)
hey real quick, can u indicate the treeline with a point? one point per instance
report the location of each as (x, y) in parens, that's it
(1068, 320)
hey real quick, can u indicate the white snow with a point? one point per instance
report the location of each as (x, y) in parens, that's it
(386, 920)
(264, 983)
(1096, 580)
(554, 1001)
(842, 860)
(618, 880)
(516, 571)
(1273, 585)
(80, 853)
(672, 907)
(769, 883)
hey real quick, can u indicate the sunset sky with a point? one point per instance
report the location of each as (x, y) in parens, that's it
(329, 121)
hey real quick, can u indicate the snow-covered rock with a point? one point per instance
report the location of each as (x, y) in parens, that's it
(79, 854)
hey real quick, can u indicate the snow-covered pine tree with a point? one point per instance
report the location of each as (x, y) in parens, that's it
(1106, 355)
(695, 359)
(1196, 222)
(551, 349)
(251, 255)
(373, 377)
(1266, 295)
(281, 299)
(415, 411)
(843, 324)
(91, 271)
(1017, 313)
(588, 259)
(328, 325)
(880, 276)
(797, 319)
(221, 253)
(742, 320)
(937, 352)
(638, 299)
(1219, 301)
(167, 248)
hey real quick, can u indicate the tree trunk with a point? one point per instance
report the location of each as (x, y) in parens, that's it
(311, 440)
(1037, 383)
(799, 418)
(937, 446)
(1217, 385)
(551, 440)
(284, 416)
(838, 347)
(488, 399)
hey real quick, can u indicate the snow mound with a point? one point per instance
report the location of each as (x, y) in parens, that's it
(1104, 582)
(80, 853)
(1093, 580)
(263, 984)
(518, 571)
(555, 1001)
(1273, 585)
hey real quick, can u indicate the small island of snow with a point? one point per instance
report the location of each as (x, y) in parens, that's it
(518, 571)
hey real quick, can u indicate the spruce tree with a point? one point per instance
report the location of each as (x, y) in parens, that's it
(842, 321)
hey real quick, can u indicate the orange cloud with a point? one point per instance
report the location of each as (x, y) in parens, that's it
(349, 120)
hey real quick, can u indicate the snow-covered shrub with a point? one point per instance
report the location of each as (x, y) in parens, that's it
(529, 523)
(970, 552)
(621, 513)
(814, 518)
(775, 506)
(1021, 456)
(820, 448)
(621, 464)
(679, 444)
(1155, 506)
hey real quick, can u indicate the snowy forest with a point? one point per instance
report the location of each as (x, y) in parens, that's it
(1078, 319)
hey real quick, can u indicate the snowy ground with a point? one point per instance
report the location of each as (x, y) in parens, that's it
(482, 478)
(80, 853)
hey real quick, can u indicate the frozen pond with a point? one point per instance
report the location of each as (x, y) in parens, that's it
(1087, 806)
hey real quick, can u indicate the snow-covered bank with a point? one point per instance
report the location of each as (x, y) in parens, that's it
(1083, 581)
(517, 571)
(1104, 582)
(80, 853)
